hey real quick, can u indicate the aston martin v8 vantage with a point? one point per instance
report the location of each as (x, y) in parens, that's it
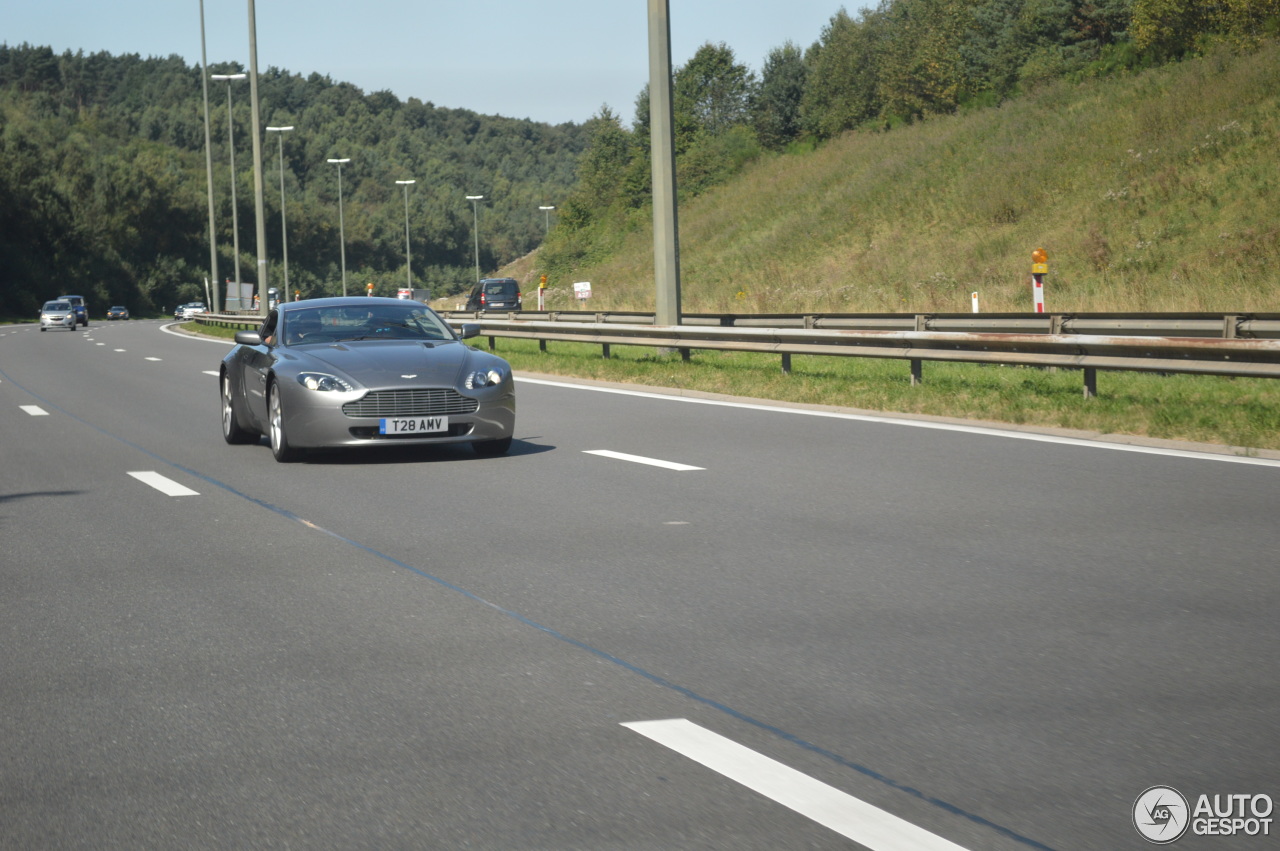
(362, 371)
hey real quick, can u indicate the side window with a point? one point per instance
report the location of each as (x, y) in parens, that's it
(267, 330)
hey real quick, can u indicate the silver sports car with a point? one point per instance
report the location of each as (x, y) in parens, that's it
(363, 371)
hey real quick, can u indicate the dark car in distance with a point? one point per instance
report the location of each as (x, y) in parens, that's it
(495, 294)
(82, 312)
(118, 311)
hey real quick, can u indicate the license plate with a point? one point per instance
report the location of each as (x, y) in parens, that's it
(413, 425)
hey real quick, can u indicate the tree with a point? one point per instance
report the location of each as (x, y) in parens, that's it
(776, 114)
(1248, 21)
(842, 87)
(921, 70)
(712, 91)
(1169, 28)
(607, 157)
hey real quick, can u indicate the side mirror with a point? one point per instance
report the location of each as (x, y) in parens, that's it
(249, 338)
(469, 330)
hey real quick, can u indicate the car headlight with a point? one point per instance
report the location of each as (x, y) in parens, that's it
(324, 383)
(484, 378)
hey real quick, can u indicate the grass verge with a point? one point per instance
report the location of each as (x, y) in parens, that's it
(1237, 412)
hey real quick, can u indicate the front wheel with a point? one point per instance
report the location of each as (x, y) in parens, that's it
(232, 430)
(280, 447)
(488, 448)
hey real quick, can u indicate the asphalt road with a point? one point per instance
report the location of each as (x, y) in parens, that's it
(802, 630)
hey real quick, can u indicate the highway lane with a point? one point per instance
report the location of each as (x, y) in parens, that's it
(1002, 642)
(260, 683)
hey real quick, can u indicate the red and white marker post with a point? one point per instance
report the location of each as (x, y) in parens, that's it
(1039, 268)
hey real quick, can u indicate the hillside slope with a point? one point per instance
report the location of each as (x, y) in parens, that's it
(1151, 192)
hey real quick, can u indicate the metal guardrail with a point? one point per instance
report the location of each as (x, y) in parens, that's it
(1226, 344)
(1224, 325)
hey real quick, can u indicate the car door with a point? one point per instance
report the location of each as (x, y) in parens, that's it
(254, 364)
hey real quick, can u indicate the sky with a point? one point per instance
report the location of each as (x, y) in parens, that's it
(554, 61)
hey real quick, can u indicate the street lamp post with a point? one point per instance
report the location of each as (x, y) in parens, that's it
(259, 207)
(546, 211)
(216, 305)
(475, 227)
(342, 228)
(408, 258)
(284, 228)
(231, 136)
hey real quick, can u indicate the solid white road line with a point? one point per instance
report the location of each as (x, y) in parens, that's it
(35, 410)
(220, 341)
(166, 486)
(890, 420)
(845, 814)
(640, 459)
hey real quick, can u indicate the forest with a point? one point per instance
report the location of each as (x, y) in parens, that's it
(103, 187)
(104, 190)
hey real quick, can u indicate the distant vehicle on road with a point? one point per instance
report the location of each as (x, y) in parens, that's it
(77, 302)
(364, 371)
(58, 314)
(188, 310)
(495, 294)
(118, 311)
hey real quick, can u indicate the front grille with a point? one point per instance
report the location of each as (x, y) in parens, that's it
(411, 403)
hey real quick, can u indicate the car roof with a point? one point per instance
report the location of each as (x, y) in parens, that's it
(345, 301)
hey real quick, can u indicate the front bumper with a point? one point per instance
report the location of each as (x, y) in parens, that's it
(315, 419)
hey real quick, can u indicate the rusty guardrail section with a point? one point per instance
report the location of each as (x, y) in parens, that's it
(1227, 344)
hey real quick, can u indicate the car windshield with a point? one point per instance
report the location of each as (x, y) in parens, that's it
(376, 322)
(56, 305)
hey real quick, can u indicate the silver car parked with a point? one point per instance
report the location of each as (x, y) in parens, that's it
(362, 371)
(57, 314)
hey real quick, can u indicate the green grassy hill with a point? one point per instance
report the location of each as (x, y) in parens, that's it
(1157, 191)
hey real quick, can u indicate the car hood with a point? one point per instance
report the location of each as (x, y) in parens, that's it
(387, 363)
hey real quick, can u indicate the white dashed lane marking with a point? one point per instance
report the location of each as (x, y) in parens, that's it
(165, 485)
(35, 410)
(640, 459)
(850, 817)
